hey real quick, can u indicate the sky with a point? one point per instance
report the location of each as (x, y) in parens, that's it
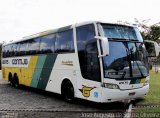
(20, 18)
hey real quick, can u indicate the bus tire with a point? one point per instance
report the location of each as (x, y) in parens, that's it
(15, 81)
(67, 91)
(10, 79)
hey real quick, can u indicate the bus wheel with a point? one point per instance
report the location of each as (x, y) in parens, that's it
(68, 91)
(15, 81)
(10, 79)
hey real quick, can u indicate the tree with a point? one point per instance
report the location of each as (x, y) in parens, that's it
(142, 25)
(153, 34)
(149, 32)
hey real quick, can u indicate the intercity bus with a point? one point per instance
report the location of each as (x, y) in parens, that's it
(95, 61)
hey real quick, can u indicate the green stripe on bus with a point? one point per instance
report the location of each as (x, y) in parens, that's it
(46, 71)
(38, 70)
(137, 81)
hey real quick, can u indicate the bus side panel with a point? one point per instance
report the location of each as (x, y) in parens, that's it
(12, 70)
(46, 71)
(38, 70)
(24, 76)
(31, 69)
(4, 73)
(64, 68)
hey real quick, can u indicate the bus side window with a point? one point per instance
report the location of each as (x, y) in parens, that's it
(64, 42)
(88, 52)
(13, 46)
(23, 48)
(34, 46)
(16, 51)
(47, 44)
(8, 50)
(4, 51)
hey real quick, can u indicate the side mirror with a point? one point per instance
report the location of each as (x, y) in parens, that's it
(104, 44)
(152, 48)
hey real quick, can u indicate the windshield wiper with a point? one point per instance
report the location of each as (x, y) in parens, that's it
(140, 70)
(124, 40)
(118, 39)
(131, 51)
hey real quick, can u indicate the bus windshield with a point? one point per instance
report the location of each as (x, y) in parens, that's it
(127, 57)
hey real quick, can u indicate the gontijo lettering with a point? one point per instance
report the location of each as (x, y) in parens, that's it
(19, 61)
(16, 62)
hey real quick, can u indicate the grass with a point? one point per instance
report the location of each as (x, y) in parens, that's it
(153, 96)
(146, 113)
(148, 110)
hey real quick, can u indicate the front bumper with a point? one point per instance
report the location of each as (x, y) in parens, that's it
(112, 95)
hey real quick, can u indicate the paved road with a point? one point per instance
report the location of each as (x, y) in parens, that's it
(28, 102)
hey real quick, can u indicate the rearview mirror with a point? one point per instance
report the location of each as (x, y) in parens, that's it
(152, 48)
(104, 44)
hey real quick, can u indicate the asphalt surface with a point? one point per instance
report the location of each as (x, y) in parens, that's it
(26, 102)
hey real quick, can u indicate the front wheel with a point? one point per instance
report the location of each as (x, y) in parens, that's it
(68, 91)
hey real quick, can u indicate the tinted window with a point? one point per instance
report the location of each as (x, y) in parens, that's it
(88, 52)
(47, 43)
(13, 49)
(84, 34)
(8, 50)
(23, 48)
(17, 49)
(34, 46)
(4, 51)
(64, 41)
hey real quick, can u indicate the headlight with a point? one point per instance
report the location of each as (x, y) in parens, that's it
(146, 83)
(110, 86)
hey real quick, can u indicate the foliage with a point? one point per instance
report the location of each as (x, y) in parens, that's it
(153, 34)
(149, 32)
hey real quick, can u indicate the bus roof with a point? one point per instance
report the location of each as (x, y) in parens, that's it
(63, 29)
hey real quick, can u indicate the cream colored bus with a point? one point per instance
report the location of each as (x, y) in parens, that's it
(95, 61)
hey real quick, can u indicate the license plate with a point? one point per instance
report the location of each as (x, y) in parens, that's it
(132, 93)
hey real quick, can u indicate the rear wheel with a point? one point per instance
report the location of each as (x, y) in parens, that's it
(15, 81)
(68, 91)
(10, 79)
